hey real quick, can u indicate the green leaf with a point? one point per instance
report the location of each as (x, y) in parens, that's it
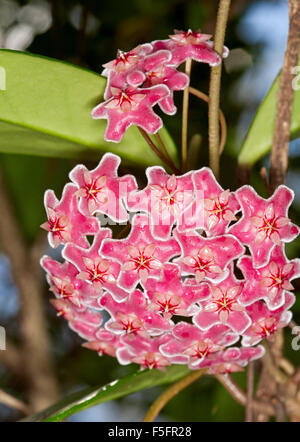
(117, 389)
(45, 110)
(258, 141)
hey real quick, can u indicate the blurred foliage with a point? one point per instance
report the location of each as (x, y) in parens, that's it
(119, 24)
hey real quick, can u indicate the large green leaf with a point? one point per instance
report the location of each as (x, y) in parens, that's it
(258, 141)
(45, 108)
(122, 387)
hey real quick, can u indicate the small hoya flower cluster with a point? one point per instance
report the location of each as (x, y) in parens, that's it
(169, 289)
(148, 75)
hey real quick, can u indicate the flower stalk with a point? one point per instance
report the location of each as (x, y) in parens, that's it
(172, 391)
(185, 112)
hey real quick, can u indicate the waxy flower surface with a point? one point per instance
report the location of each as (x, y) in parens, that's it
(270, 281)
(264, 223)
(140, 254)
(165, 198)
(101, 190)
(198, 275)
(214, 208)
(166, 291)
(201, 256)
(65, 222)
(139, 79)
(130, 106)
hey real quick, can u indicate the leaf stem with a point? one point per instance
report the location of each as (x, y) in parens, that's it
(168, 394)
(185, 113)
(214, 88)
(158, 152)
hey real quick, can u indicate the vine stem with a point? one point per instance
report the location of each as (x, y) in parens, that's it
(214, 89)
(158, 152)
(222, 119)
(168, 394)
(185, 114)
(280, 147)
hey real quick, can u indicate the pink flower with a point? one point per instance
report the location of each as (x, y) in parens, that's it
(145, 352)
(170, 296)
(196, 345)
(264, 223)
(95, 269)
(157, 71)
(270, 281)
(201, 256)
(63, 281)
(190, 44)
(127, 60)
(130, 106)
(265, 322)
(65, 222)
(101, 190)
(233, 359)
(140, 254)
(193, 44)
(131, 316)
(85, 322)
(213, 209)
(164, 198)
(224, 306)
(104, 343)
(180, 271)
(117, 70)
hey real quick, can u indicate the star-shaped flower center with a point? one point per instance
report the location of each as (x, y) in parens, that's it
(189, 37)
(97, 272)
(265, 327)
(123, 61)
(217, 208)
(63, 288)
(151, 360)
(223, 302)
(156, 75)
(268, 225)
(202, 262)
(167, 303)
(142, 257)
(94, 186)
(59, 226)
(169, 196)
(201, 349)
(124, 100)
(276, 277)
(57, 223)
(130, 323)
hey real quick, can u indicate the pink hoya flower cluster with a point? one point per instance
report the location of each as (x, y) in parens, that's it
(148, 75)
(169, 289)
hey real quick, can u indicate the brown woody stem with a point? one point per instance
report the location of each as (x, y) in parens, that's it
(280, 147)
(214, 89)
(222, 119)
